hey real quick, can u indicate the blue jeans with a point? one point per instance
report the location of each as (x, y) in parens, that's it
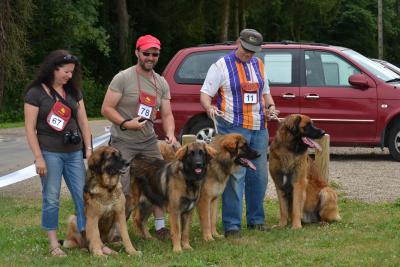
(71, 166)
(252, 183)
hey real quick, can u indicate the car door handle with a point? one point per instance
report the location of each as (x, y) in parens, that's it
(290, 96)
(312, 96)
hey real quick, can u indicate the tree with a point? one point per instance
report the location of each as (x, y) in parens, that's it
(123, 33)
(225, 21)
(15, 16)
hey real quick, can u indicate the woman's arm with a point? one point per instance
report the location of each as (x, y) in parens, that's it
(31, 113)
(85, 129)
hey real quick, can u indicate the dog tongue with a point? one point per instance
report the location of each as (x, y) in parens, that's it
(311, 143)
(248, 163)
(197, 170)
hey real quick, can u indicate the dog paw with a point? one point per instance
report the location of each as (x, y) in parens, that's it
(133, 252)
(208, 238)
(323, 223)
(98, 253)
(218, 236)
(296, 227)
(177, 250)
(278, 226)
(187, 247)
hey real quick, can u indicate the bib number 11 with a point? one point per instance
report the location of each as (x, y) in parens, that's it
(250, 98)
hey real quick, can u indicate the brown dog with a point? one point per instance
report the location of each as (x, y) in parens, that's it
(104, 203)
(303, 194)
(232, 152)
(174, 185)
(168, 151)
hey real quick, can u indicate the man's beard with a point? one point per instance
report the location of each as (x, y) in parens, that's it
(143, 65)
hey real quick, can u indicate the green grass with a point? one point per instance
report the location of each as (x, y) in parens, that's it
(368, 235)
(11, 125)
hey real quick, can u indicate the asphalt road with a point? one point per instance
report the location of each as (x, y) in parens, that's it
(15, 152)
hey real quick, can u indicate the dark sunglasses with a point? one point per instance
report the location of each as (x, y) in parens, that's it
(70, 58)
(147, 54)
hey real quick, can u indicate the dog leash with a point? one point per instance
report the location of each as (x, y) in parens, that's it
(213, 114)
(274, 116)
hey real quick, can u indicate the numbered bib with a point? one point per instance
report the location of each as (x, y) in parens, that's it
(59, 116)
(146, 106)
(145, 111)
(250, 98)
(56, 122)
(250, 92)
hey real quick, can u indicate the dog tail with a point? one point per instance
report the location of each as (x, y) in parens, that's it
(328, 202)
(145, 187)
(72, 229)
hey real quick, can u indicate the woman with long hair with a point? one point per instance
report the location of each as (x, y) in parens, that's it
(57, 131)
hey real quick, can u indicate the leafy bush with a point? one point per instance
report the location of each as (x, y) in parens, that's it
(13, 107)
(93, 95)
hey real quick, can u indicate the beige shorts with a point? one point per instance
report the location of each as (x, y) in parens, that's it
(129, 150)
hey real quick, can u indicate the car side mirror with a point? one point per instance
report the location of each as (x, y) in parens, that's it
(359, 81)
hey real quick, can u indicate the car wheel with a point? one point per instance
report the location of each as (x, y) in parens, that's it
(203, 130)
(394, 141)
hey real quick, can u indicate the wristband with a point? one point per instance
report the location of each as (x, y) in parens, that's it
(121, 126)
(270, 105)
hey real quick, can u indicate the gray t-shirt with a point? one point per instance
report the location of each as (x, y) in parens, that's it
(126, 82)
(50, 139)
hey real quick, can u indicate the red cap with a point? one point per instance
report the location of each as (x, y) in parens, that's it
(147, 41)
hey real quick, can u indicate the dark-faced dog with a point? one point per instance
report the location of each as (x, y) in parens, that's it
(173, 185)
(303, 193)
(233, 151)
(104, 203)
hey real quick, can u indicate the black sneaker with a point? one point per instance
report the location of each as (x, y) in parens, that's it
(163, 234)
(260, 227)
(232, 234)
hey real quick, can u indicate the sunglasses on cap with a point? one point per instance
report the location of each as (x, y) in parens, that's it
(147, 54)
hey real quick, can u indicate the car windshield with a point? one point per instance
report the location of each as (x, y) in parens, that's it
(376, 69)
(388, 65)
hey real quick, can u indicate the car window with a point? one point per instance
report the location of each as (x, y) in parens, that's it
(278, 67)
(327, 69)
(194, 68)
(376, 69)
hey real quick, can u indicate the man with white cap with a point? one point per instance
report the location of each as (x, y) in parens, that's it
(131, 103)
(245, 101)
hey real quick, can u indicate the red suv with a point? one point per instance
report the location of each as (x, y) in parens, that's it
(355, 100)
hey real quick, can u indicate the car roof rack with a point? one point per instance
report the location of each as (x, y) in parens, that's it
(297, 42)
(222, 43)
(286, 42)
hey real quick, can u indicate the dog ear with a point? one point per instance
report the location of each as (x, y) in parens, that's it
(176, 146)
(296, 123)
(96, 161)
(180, 154)
(293, 124)
(230, 145)
(211, 152)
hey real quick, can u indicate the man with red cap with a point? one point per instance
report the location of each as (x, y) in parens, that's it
(131, 103)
